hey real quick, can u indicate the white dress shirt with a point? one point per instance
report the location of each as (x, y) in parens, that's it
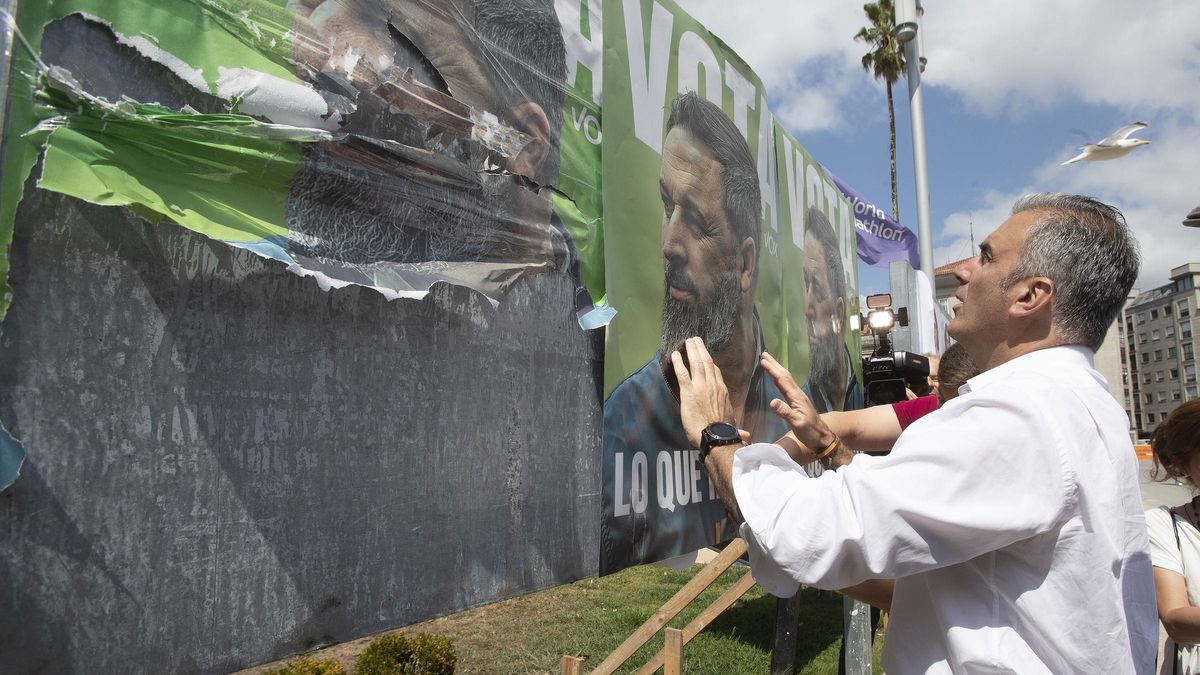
(1011, 519)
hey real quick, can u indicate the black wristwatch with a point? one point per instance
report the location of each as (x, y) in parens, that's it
(717, 434)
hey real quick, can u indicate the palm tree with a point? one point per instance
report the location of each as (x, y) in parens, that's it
(886, 62)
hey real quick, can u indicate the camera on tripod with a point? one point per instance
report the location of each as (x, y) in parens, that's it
(888, 373)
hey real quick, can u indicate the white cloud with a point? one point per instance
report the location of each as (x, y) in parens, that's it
(1007, 56)
(777, 38)
(1000, 56)
(802, 51)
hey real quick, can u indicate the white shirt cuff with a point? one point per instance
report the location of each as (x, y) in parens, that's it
(752, 467)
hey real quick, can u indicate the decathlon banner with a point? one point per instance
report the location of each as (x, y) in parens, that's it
(880, 239)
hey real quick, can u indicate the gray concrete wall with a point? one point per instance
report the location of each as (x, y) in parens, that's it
(228, 465)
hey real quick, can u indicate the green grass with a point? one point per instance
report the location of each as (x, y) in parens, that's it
(590, 618)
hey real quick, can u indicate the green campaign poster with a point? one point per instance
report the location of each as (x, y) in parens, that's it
(717, 224)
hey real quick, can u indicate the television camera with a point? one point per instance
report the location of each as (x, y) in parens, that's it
(887, 373)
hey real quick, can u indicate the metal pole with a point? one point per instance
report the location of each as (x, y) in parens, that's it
(912, 56)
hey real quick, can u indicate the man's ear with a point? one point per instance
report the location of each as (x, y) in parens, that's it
(1034, 295)
(839, 315)
(747, 263)
(529, 118)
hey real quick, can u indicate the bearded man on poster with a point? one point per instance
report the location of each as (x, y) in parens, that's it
(711, 222)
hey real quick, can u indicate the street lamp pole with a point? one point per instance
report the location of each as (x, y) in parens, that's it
(908, 24)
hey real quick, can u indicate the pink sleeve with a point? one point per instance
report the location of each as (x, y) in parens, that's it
(908, 412)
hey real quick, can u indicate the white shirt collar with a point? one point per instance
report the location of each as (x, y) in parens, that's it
(1050, 357)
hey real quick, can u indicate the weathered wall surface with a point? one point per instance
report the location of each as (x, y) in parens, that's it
(229, 465)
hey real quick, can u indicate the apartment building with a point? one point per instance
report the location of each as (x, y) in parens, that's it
(1158, 356)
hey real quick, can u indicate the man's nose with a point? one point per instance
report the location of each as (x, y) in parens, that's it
(672, 235)
(964, 270)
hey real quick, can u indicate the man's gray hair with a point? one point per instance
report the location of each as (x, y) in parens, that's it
(1086, 248)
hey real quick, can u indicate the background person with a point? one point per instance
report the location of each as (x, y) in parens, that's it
(1175, 540)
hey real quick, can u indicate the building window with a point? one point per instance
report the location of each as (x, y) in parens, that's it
(1158, 355)
(1145, 357)
(1185, 330)
(1158, 377)
(1153, 314)
(1187, 351)
(1191, 393)
(1142, 337)
(1170, 352)
(1175, 395)
(1141, 318)
(1162, 396)
(1184, 308)
(1149, 398)
(1189, 373)
(1174, 373)
(1167, 310)
(1154, 335)
(1169, 331)
(1149, 419)
(1145, 378)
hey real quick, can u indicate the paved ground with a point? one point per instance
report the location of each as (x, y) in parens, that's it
(1167, 493)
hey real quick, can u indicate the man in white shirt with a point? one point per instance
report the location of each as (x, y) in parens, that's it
(1011, 519)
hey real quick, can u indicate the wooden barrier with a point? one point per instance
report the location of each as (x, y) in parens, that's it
(670, 656)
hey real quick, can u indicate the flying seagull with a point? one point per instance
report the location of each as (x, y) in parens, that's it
(1117, 144)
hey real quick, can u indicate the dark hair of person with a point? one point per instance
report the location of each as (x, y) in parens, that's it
(955, 368)
(526, 60)
(1175, 441)
(818, 226)
(741, 200)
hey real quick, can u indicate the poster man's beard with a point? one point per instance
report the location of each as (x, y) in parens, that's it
(347, 213)
(713, 320)
(824, 352)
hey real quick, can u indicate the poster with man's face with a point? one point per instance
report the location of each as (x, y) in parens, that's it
(717, 224)
(388, 144)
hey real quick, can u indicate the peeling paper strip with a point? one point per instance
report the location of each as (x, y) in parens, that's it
(282, 102)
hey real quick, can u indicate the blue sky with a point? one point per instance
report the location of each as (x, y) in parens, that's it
(1009, 85)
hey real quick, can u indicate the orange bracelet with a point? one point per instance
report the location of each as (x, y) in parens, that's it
(829, 449)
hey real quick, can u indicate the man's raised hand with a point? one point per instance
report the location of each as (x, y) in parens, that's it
(703, 398)
(797, 410)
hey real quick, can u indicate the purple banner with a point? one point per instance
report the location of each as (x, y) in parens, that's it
(880, 239)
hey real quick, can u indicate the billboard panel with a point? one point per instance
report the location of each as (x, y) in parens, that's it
(717, 224)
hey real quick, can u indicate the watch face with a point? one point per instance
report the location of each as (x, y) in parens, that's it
(722, 430)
